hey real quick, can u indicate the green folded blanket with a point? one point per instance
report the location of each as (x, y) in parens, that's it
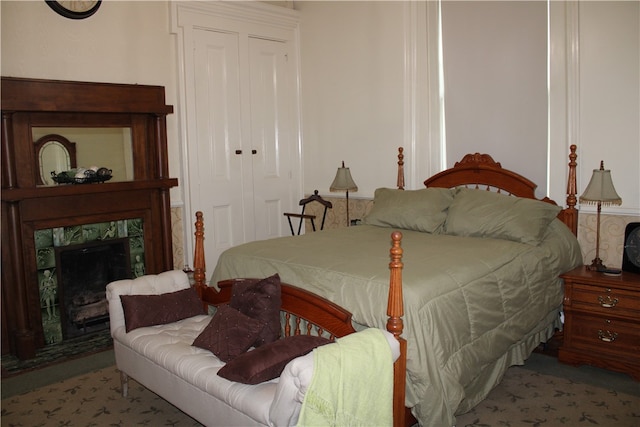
(352, 383)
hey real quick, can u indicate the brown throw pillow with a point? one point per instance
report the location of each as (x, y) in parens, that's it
(150, 310)
(260, 300)
(229, 333)
(267, 362)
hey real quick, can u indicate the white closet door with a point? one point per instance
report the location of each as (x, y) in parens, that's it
(270, 135)
(215, 170)
(238, 78)
(240, 166)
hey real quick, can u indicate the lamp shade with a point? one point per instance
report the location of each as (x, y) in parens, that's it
(601, 189)
(343, 180)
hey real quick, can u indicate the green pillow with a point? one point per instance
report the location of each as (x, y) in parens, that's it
(418, 210)
(482, 213)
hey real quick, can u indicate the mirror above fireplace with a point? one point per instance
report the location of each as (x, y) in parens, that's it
(108, 147)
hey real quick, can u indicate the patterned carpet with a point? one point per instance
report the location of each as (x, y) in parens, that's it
(528, 398)
(56, 353)
(524, 398)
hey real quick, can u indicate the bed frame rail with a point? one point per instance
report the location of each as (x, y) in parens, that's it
(304, 313)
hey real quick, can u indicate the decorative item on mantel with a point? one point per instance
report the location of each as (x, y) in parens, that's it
(344, 182)
(82, 175)
(600, 191)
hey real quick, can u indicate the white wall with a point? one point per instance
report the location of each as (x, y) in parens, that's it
(609, 97)
(355, 58)
(359, 61)
(352, 56)
(495, 75)
(124, 42)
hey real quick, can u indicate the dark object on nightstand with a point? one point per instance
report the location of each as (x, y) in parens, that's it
(602, 320)
(631, 253)
(313, 198)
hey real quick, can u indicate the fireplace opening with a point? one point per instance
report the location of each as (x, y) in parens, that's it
(83, 274)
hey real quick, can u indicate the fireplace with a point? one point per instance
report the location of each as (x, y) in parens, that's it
(38, 219)
(74, 266)
(83, 274)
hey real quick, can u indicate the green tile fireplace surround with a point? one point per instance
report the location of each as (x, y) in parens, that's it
(51, 242)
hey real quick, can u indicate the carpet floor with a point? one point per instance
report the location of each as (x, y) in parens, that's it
(525, 397)
(56, 353)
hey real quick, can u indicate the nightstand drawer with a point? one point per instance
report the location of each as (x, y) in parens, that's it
(605, 300)
(604, 335)
(602, 320)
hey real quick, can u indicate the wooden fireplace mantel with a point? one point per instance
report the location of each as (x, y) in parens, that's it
(27, 206)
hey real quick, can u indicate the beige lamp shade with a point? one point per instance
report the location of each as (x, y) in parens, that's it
(343, 181)
(601, 189)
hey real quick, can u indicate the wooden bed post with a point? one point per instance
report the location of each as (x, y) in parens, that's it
(395, 306)
(199, 267)
(571, 213)
(395, 311)
(400, 180)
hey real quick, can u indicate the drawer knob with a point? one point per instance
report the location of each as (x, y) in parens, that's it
(607, 302)
(607, 336)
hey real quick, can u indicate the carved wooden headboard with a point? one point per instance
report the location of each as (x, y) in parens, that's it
(480, 171)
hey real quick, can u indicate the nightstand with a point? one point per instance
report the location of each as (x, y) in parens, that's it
(602, 321)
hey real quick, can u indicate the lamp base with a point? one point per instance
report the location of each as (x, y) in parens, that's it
(596, 265)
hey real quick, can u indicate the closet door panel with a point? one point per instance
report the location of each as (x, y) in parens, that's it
(216, 171)
(242, 149)
(270, 136)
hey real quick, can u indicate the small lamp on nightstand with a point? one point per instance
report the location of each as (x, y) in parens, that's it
(344, 182)
(600, 191)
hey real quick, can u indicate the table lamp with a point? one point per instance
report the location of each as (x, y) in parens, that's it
(344, 182)
(600, 191)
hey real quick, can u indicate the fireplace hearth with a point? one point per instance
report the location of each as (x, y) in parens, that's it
(83, 274)
(75, 264)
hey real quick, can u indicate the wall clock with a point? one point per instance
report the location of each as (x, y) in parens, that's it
(74, 9)
(631, 254)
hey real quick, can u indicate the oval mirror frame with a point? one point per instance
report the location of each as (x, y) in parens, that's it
(53, 152)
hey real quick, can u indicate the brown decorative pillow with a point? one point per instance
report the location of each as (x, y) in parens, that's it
(229, 333)
(150, 310)
(260, 300)
(267, 362)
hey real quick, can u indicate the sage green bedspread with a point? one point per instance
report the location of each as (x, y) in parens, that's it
(473, 306)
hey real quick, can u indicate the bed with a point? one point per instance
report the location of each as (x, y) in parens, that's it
(481, 275)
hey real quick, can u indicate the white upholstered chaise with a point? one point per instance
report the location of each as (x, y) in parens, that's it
(163, 359)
